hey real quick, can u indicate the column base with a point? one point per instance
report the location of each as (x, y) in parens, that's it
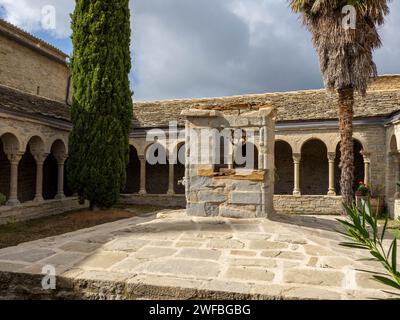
(142, 192)
(170, 193)
(60, 197)
(297, 193)
(13, 202)
(331, 193)
(38, 199)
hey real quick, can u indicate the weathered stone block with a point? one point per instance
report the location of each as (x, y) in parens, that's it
(231, 212)
(181, 267)
(202, 254)
(245, 198)
(202, 209)
(225, 244)
(250, 274)
(198, 183)
(245, 186)
(314, 277)
(153, 253)
(213, 197)
(102, 260)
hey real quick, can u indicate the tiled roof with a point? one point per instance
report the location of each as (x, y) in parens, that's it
(292, 106)
(383, 98)
(18, 102)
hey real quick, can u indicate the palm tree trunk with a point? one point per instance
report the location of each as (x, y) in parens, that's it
(346, 114)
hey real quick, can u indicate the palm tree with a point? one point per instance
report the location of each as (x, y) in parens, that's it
(346, 61)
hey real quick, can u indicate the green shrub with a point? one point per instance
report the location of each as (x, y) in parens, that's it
(3, 199)
(363, 232)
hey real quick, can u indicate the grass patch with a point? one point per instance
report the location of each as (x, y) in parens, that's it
(15, 233)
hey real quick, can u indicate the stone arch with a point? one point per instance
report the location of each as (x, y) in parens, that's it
(179, 168)
(393, 144)
(356, 137)
(27, 175)
(157, 174)
(241, 153)
(59, 142)
(4, 171)
(37, 145)
(133, 172)
(359, 173)
(284, 168)
(11, 143)
(50, 168)
(314, 171)
(59, 147)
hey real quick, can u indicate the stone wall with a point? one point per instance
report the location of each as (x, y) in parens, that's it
(312, 205)
(32, 210)
(214, 196)
(31, 71)
(215, 187)
(314, 168)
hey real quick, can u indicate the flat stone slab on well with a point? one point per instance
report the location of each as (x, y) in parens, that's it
(176, 256)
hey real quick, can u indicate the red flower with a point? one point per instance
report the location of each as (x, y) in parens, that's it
(361, 182)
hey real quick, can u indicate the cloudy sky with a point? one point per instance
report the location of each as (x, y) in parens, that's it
(192, 48)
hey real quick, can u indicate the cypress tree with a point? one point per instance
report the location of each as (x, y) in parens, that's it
(102, 101)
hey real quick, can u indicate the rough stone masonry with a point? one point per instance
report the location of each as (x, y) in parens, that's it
(216, 185)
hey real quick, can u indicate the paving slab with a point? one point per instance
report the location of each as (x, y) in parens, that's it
(174, 256)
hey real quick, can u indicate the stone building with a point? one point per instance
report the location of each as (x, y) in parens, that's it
(35, 124)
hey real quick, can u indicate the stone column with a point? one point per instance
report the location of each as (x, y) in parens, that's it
(40, 158)
(14, 161)
(331, 161)
(367, 163)
(171, 179)
(142, 175)
(296, 161)
(60, 187)
(396, 162)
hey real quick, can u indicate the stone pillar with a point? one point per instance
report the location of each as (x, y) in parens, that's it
(60, 187)
(296, 161)
(40, 158)
(331, 161)
(14, 161)
(396, 162)
(142, 175)
(171, 179)
(367, 163)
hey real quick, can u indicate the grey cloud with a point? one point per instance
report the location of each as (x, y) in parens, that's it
(202, 48)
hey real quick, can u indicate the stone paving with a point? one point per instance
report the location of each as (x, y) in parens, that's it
(173, 256)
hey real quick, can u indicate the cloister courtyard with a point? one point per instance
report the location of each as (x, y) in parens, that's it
(168, 255)
(265, 229)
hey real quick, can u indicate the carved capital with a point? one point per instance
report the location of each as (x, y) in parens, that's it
(366, 155)
(40, 158)
(14, 158)
(331, 156)
(61, 157)
(296, 158)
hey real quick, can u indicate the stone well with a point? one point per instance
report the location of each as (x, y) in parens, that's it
(230, 160)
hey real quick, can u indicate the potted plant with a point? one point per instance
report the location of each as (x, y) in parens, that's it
(377, 199)
(363, 194)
